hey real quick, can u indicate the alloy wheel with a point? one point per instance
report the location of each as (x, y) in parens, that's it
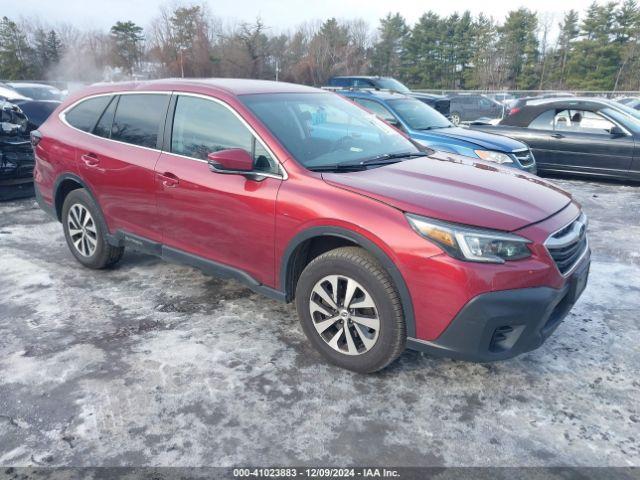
(82, 230)
(344, 314)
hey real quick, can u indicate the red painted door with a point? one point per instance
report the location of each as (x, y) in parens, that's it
(227, 218)
(119, 165)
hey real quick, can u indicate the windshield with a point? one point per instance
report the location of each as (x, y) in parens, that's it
(324, 129)
(417, 115)
(392, 84)
(628, 110)
(629, 122)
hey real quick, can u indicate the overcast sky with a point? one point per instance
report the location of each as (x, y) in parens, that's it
(279, 14)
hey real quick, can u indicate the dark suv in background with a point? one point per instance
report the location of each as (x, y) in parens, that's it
(467, 107)
(439, 102)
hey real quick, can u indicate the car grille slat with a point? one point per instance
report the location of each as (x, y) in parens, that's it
(567, 245)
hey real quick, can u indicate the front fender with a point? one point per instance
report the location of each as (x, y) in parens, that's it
(360, 240)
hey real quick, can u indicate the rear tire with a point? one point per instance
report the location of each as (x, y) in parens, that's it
(350, 310)
(455, 118)
(85, 232)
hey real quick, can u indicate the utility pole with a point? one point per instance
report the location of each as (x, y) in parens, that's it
(277, 68)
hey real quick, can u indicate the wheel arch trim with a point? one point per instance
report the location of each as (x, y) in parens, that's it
(72, 176)
(286, 266)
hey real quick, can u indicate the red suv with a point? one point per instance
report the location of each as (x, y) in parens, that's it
(304, 196)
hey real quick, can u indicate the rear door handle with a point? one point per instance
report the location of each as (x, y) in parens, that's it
(557, 135)
(90, 159)
(169, 179)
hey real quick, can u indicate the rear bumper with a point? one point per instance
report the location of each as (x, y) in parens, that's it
(49, 209)
(504, 324)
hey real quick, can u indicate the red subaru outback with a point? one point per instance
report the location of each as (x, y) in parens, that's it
(303, 196)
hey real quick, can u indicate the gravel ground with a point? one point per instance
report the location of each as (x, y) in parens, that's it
(155, 364)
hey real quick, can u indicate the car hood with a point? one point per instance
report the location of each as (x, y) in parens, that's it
(488, 141)
(458, 189)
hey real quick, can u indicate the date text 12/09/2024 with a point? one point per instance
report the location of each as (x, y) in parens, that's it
(315, 473)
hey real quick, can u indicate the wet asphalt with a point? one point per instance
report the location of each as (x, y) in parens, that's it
(157, 364)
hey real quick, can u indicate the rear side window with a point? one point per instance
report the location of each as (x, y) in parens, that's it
(340, 82)
(544, 121)
(85, 115)
(138, 119)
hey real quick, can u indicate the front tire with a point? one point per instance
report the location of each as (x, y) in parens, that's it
(350, 310)
(85, 232)
(455, 118)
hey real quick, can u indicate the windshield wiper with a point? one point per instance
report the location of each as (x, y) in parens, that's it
(433, 127)
(385, 159)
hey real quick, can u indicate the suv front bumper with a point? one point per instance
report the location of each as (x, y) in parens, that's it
(502, 324)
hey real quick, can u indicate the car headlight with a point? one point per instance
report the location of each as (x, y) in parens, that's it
(471, 244)
(491, 156)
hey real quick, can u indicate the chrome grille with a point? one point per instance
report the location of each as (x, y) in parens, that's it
(567, 245)
(525, 157)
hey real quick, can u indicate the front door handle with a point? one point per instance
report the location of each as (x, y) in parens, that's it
(90, 159)
(169, 179)
(557, 135)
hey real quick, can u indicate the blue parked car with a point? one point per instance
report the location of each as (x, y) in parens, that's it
(431, 129)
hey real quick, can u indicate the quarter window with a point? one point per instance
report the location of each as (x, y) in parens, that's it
(138, 119)
(544, 121)
(84, 116)
(201, 127)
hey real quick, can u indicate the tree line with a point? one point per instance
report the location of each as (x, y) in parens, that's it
(596, 49)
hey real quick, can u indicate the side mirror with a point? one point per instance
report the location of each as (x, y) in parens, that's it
(231, 161)
(616, 131)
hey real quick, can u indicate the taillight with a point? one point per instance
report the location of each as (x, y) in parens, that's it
(36, 136)
(514, 110)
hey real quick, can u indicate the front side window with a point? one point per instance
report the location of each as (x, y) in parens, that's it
(324, 129)
(202, 126)
(85, 114)
(138, 119)
(582, 121)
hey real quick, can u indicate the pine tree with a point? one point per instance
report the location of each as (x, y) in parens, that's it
(518, 45)
(15, 52)
(387, 50)
(54, 47)
(594, 62)
(127, 41)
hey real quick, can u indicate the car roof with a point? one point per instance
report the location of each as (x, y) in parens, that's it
(364, 77)
(31, 85)
(232, 86)
(532, 108)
